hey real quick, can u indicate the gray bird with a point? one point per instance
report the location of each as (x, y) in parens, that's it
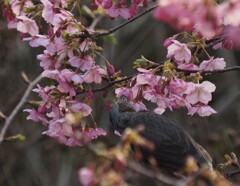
(172, 143)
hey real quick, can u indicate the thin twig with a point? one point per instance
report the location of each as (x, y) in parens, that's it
(110, 84)
(232, 173)
(215, 41)
(112, 30)
(203, 72)
(207, 72)
(113, 83)
(18, 107)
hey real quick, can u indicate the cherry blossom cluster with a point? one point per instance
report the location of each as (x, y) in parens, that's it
(204, 17)
(68, 60)
(121, 8)
(169, 88)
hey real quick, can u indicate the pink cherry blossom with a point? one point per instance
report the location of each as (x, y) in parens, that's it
(169, 41)
(77, 79)
(82, 108)
(59, 130)
(84, 63)
(52, 16)
(178, 101)
(189, 66)
(138, 106)
(123, 91)
(64, 78)
(46, 61)
(179, 52)
(43, 91)
(26, 25)
(94, 75)
(177, 86)
(213, 64)
(145, 78)
(18, 6)
(36, 116)
(199, 92)
(202, 110)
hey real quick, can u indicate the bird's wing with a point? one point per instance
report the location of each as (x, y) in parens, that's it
(172, 143)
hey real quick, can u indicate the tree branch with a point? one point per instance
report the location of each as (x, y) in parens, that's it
(114, 29)
(203, 72)
(18, 107)
(208, 72)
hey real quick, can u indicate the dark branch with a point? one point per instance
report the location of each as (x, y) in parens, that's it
(231, 174)
(112, 30)
(203, 72)
(113, 83)
(212, 42)
(207, 72)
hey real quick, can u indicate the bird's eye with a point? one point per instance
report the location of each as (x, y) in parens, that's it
(125, 107)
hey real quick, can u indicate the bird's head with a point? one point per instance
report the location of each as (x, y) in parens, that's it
(120, 111)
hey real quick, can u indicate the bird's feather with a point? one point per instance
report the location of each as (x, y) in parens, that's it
(172, 143)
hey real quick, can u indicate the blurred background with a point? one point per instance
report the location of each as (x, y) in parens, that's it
(41, 160)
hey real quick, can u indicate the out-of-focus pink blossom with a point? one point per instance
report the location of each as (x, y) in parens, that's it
(229, 10)
(197, 16)
(11, 18)
(179, 52)
(228, 44)
(159, 110)
(92, 133)
(213, 64)
(199, 92)
(217, 46)
(115, 12)
(86, 176)
(26, 25)
(232, 35)
(121, 8)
